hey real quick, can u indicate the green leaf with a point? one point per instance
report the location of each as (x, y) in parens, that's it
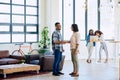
(45, 39)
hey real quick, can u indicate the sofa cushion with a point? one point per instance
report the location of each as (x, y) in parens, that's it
(2, 62)
(17, 57)
(37, 62)
(10, 61)
(48, 53)
(4, 54)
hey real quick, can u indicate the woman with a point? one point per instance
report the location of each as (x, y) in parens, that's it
(90, 45)
(74, 46)
(102, 45)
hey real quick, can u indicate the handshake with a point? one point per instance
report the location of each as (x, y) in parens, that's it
(65, 41)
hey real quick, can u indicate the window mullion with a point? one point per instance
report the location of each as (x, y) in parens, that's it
(24, 20)
(10, 21)
(86, 18)
(74, 11)
(98, 14)
(37, 20)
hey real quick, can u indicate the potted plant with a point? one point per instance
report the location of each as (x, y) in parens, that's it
(44, 43)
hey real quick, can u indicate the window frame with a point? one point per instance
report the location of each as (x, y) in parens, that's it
(11, 24)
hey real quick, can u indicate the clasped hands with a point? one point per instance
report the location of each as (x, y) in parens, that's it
(64, 42)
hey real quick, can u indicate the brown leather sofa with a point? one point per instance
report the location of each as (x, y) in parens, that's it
(48, 61)
(45, 62)
(6, 58)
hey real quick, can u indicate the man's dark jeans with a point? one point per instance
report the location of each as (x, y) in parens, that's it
(57, 61)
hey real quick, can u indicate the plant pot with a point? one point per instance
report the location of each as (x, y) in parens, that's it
(43, 51)
(44, 47)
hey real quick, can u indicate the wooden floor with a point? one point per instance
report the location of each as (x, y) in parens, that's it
(93, 71)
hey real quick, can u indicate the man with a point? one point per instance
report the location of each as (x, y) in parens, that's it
(57, 46)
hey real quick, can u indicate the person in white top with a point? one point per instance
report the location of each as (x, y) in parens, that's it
(74, 46)
(102, 45)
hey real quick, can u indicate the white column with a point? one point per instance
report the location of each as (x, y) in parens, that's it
(117, 19)
(42, 15)
(117, 28)
(52, 13)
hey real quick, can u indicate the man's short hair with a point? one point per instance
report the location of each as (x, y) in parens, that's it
(57, 23)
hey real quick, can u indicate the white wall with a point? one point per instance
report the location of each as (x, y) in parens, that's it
(117, 19)
(117, 23)
(52, 13)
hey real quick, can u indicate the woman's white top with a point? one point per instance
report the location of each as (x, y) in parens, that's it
(75, 39)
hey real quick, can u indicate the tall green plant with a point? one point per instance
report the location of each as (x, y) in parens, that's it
(45, 39)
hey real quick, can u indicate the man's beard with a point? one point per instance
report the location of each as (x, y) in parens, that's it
(58, 29)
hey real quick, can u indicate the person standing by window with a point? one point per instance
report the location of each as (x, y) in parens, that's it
(57, 46)
(90, 45)
(102, 45)
(74, 46)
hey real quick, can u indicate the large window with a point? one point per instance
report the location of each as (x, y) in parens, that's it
(19, 21)
(88, 14)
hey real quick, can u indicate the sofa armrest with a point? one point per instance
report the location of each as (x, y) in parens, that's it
(47, 62)
(17, 57)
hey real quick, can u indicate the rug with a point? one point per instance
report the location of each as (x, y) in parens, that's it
(22, 74)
